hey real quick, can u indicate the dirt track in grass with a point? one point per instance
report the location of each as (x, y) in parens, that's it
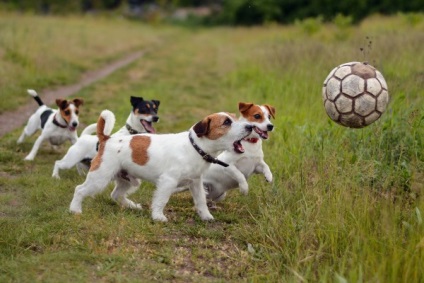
(11, 120)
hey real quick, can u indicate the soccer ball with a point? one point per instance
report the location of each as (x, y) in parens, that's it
(355, 94)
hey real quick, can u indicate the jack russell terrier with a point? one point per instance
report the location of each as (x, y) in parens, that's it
(143, 114)
(218, 180)
(57, 126)
(167, 160)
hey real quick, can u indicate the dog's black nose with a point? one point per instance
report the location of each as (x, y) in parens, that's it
(155, 118)
(249, 128)
(74, 124)
(270, 127)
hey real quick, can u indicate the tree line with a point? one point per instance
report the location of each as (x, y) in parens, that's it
(233, 12)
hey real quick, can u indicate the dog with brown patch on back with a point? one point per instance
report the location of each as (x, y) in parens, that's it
(57, 126)
(169, 161)
(218, 180)
(140, 120)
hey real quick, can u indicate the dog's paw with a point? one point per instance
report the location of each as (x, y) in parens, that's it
(159, 217)
(29, 158)
(268, 177)
(244, 188)
(205, 215)
(56, 176)
(75, 211)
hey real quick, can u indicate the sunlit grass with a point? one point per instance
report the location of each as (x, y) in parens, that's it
(345, 204)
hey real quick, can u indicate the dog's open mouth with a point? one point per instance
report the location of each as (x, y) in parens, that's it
(262, 134)
(72, 128)
(148, 126)
(238, 147)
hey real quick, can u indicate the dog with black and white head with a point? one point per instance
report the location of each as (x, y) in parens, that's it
(57, 126)
(140, 120)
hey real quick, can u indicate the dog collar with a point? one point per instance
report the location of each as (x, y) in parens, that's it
(57, 123)
(252, 140)
(204, 155)
(131, 130)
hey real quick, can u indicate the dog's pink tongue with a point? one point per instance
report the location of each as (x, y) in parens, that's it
(262, 134)
(72, 129)
(238, 147)
(148, 126)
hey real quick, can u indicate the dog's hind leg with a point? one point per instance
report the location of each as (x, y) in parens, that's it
(122, 189)
(31, 127)
(199, 197)
(94, 184)
(71, 158)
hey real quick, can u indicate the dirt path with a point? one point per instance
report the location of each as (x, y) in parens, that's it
(13, 119)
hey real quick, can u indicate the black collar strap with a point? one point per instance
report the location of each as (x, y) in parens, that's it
(204, 155)
(57, 123)
(131, 130)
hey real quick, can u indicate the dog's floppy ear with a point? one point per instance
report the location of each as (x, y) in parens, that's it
(136, 100)
(202, 128)
(62, 103)
(156, 102)
(78, 102)
(271, 110)
(243, 106)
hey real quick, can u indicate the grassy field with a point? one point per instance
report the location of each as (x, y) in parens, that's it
(345, 205)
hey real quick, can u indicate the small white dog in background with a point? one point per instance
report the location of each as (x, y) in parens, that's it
(57, 126)
(217, 180)
(144, 113)
(167, 160)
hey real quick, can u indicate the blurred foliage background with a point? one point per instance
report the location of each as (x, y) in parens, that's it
(222, 12)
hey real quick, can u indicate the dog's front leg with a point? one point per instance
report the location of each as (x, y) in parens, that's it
(264, 169)
(164, 189)
(35, 148)
(199, 198)
(236, 174)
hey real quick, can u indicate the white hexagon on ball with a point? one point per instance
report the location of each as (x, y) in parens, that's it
(355, 94)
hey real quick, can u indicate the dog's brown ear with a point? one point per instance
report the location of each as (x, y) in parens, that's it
(271, 110)
(62, 103)
(202, 128)
(243, 106)
(78, 102)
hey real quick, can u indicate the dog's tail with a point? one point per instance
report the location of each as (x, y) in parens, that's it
(90, 129)
(105, 125)
(34, 94)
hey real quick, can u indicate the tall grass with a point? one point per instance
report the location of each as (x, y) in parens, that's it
(345, 205)
(40, 52)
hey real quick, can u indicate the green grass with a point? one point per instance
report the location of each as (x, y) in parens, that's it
(345, 205)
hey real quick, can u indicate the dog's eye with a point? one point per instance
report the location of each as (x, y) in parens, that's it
(76, 112)
(227, 122)
(67, 112)
(269, 117)
(257, 116)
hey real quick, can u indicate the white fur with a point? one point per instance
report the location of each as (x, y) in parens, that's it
(56, 135)
(217, 180)
(172, 162)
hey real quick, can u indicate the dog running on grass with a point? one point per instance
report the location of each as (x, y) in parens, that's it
(57, 126)
(217, 180)
(167, 160)
(140, 120)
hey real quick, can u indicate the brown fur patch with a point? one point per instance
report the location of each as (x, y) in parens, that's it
(139, 146)
(217, 126)
(271, 110)
(97, 160)
(250, 113)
